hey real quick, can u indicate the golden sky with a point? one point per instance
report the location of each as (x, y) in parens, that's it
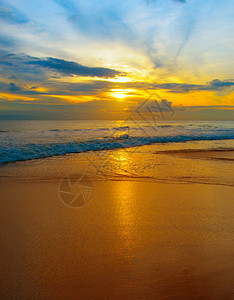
(74, 59)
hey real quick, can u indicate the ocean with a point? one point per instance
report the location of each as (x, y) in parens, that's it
(27, 140)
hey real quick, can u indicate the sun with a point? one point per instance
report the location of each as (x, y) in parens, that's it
(122, 93)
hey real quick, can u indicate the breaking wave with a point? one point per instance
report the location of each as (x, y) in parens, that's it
(11, 153)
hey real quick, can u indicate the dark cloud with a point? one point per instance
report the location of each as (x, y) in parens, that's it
(30, 68)
(15, 65)
(184, 87)
(217, 84)
(13, 87)
(90, 88)
(70, 68)
(208, 107)
(214, 85)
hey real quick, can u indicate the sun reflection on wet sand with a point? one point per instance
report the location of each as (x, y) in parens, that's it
(126, 220)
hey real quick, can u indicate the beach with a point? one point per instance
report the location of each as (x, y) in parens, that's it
(155, 226)
(116, 150)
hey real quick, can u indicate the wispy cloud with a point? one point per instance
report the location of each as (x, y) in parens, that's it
(11, 15)
(181, 1)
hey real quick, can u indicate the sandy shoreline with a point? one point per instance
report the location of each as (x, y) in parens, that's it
(135, 239)
(146, 163)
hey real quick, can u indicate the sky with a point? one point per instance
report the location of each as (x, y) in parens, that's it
(73, 59)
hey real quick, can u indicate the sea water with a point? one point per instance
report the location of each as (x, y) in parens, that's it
(24, 140)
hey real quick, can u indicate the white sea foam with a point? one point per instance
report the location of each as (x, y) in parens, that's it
(39, 140)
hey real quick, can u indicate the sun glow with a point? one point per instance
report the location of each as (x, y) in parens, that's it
(122, 93)
(120, 79)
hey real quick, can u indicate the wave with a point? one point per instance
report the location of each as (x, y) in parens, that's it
(35, 151)
(120, 128)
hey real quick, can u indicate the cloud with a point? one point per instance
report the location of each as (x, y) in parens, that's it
(7, 42)
(18, 109)
(36, 72)
(222, 88)
(11, 15)
(122, 29)
(92, 87)
(70, 68)
(13, 87)
(214, 85)
(23, 66)
(188, 25)
(104, 20)
(14, 66)
(182, 1)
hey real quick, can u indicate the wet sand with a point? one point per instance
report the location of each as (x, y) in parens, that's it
(202, 154)
(135, 239)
